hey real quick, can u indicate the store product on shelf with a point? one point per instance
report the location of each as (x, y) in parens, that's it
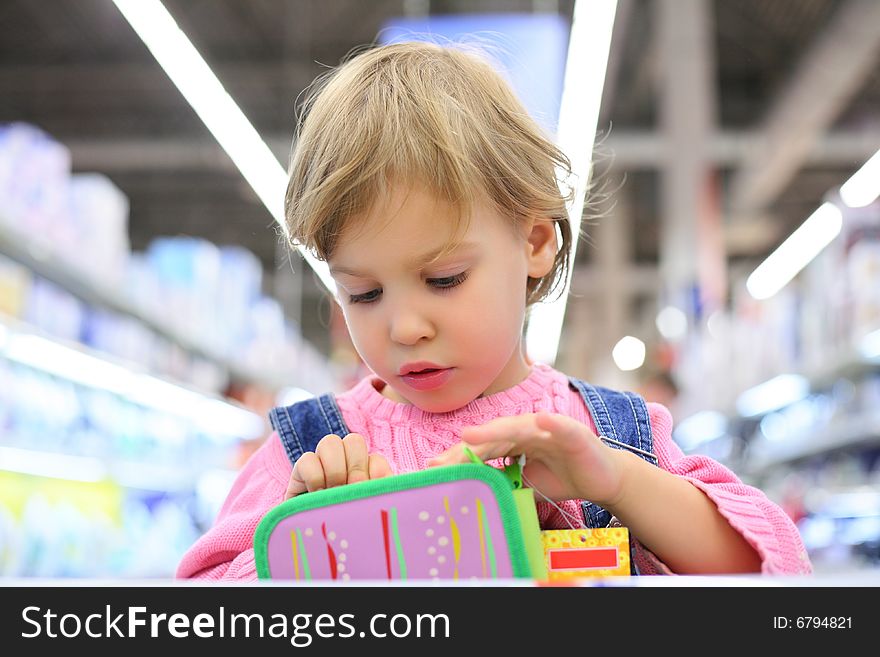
(57, 528)
(209, 293)
(95, 232)
(54, 310)
(34, 179)
(15, 283)
(863, 276)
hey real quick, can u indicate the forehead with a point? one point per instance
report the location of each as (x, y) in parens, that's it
(406, 220)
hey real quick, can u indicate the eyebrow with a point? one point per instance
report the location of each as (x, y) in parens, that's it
(416, 262)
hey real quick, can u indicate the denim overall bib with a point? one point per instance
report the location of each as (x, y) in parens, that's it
(621, 420)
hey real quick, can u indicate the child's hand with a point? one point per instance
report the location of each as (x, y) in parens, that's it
(335, 461)
(564, 459)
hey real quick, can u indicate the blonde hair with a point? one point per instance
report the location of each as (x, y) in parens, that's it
(420, 113)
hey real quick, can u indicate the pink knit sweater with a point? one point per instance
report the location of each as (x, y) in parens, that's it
(408, 436)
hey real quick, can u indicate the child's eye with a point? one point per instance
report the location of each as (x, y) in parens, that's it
(366, 297)
(445, 283)
(448, 282)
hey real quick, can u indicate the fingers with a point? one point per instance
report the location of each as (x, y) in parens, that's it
(357, 460)
(516, 428)
(562, 427)
(335, 461)
(332, 455)
(379, 466)
(485, 451)
(531, 434)
(307, 475)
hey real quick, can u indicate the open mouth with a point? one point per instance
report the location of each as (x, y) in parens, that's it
(427, 379)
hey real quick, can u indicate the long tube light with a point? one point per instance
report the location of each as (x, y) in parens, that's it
(796, 252)
(585, 68)
(863, 187)
(200, 87)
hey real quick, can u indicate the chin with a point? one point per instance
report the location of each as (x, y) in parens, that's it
(440, 405)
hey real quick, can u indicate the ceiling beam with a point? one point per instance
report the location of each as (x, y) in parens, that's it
(831, 72)
(64, 79)
(627, 150)
(620, 151)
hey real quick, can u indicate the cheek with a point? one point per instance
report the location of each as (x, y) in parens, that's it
(493, 310)
(359, 331)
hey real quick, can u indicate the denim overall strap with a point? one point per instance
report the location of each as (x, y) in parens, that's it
(622, 422)
(302, 425)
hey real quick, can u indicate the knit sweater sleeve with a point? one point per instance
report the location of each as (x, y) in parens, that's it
(226, 550)
(761, 522)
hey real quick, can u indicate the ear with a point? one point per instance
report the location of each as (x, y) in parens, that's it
(541, 247)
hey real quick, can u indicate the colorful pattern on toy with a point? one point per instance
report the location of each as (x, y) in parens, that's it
(576, 553)
(459, 529)
(448, 549)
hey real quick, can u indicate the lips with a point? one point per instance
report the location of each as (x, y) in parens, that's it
(425, 376)
(419, 367)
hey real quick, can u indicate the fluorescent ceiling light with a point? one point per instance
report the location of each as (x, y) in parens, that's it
(585, 67)
(700, 428)
(215, 107)
(779, 391)
(629, 353)
(796, 252)
(863, 187)
(672, 323)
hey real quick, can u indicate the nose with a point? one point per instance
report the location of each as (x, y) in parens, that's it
(408, 325)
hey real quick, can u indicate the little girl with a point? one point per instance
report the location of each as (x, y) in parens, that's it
(423, 183)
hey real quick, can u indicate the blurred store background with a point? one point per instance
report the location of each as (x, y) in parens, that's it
(150, 314)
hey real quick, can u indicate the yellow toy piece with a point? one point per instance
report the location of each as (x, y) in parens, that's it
(577, 553)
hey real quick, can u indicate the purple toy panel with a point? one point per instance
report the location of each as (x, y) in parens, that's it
(451, 530)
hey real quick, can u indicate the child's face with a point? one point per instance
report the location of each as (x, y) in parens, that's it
(464, 312)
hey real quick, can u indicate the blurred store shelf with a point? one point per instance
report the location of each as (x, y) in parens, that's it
(858, 431)
(74, 362)
(38, 257)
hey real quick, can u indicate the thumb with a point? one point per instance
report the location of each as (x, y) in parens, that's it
(562, 427)
(484, 451)
(295, 486)
(379, 467)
